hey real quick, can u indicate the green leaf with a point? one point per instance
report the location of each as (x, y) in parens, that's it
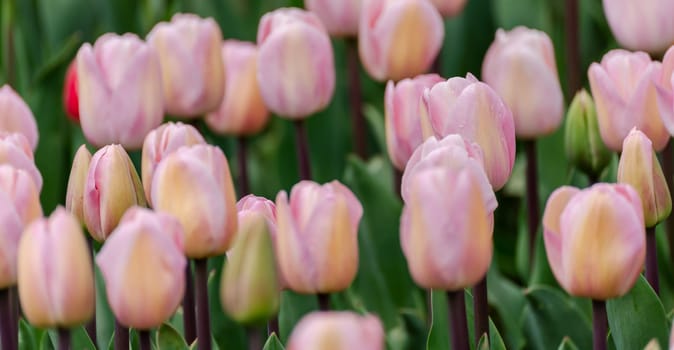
(227, 333)
(273, 343)
(80, 338)
(169, 338)
(375, 120)
(509, 304)
(28, 335)
(483, 344)
(637, 317)
(567, 344)
(293, 307)
(495, 340)
(438, 335)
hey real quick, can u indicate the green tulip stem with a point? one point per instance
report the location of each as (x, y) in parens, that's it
(242, 158)
(91, 325)
(532, 196)
(668, 170)
(121, 336)
(189, 316)
(302, 150)
(144, 338)
(356, 100)
(64, 338)
(457, 319)
(6, 327)
(324, 301)
(599, 324)
(652, 260)
(255, 341)
(481, 309)
(203, 313)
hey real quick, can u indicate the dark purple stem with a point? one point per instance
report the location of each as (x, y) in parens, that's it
(272, 326)
(532, 196)
(481, 309)
(145, 342)
(668, 170)
(572, 47)
(397, 181)
(357, 118)
(652, 260)
(189, 316)
(243, 166)
(64, 338)
(121, 336)
(255, 341)
(457, 320)
(203, 313)
(6, 327)
(324, 301)
(302, 150)
(599, 324)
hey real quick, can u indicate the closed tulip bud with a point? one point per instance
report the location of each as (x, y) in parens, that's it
(161, 142)
(194, 185)
(595, 239)
(242, 111)
(339, 17)
(584, 146)
(16, 116)
(71, 103)
(449, 8)
(317, 236)
(119, 89)
(403, 126)
(625, 95)
(342, 330)
(645, 26)
(55, 272)
(191, 64)
(144, 268)
(639, 167)
(112, 186)
(249, 289)
(473, 109)
(15, 151)
(76, 183)
(296, 70)
(399, 39)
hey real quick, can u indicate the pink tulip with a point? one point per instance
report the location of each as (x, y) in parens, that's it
(120, 90)
(403, 125)
(144, 268)
(343, 330)
(317, 236)
(339, 17)
(449, 8)
(191, 64)
(242, 111)
(296, 70)
(595, 239)
(15, 151)
(520, 66)
(643, 25)
(625, 95)
(76, 182)
(194, 185)
(161, 142)
(16, 116)
(399, 39)
(664, 85)
(475, 111)
(55, 272)
(71, 103)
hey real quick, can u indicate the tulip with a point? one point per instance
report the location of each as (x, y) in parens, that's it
(473, 109)
(643, 25)
(15, 151)
(449, 8)
(584, 146)
(76, 183)
(191, 64)
(403, 126)
(119, 90)
(296, 71)
(664, 85)
(242, 111)
(55, 273)
(595, 239)
(343, 330)
(399, 39)
(161, 142)
(112, 186)
(16, 116)
(339, 17)
(640, 168)
(625, 95)
(144, 268)
(317, 236)
(249, 289)
(194, 185)
(70, 100)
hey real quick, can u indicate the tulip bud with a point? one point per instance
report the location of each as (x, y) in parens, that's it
(55, 273)
(15, 151)
(473, 109)
(70, 100)
(645, 25)
(144, 268)
(194, 185)
(640, 168)
(449, 8)
(399, 39)
(76, 183)
(16, 116)
(520, 66)
(595, 239)
(339, 17)
(112, 186)
(161, 142)
(317, 236)
(191, 64)
(296, 70)
(249, 289)
(624, 92)
(343, 330)
(242, 111)
(584, 146)
(119, 89)
(403, 127)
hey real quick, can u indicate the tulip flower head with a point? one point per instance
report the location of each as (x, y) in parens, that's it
(339, 17)
(55, 272)
(595, 239)
(644, 25)
(15, 151)
(16, 116)
(337, 330)
(665, 90)
(70, 100)
(296, 70)
(317, 236)
(77, 181)
(189, 51)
